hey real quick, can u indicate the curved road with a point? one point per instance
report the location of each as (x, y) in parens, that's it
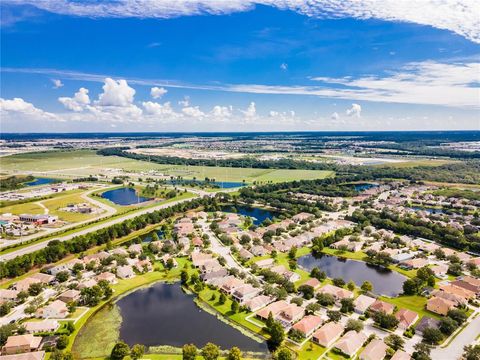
(41, 245)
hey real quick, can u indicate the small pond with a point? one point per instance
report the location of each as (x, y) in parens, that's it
(148, 238)
(124, 196)
(257, 214)
(41, 181)
(364, 186)
(385, 282)
(164, 315)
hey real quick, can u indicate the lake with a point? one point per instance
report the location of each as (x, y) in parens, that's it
(41, 181)
(385, 282)
(258, 214)
(164, 315)
(124, 196)
(148, 238)
(364, 186)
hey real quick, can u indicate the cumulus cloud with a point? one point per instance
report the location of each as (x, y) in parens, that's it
(193, 112)
(154, 108)
(78, 102)
(458, 16)
(19, 109)
(355, 110)
(57, 83)
(157, 92)
(334, 116)
(251, 111)
(116, 93)
(185, 102)
(284, 66)
(221, 111)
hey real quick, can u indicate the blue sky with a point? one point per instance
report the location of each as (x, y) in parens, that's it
(237, 65)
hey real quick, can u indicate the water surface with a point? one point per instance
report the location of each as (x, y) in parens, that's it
(164, 315)
(257, 214)
(124, 196)
(41, 181)
(385, 282)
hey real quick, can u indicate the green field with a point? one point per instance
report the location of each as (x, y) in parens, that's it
(86, 162)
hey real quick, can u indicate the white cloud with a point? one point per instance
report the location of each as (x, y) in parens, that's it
(251, 111)
(193, 111)
(459, 16)
(185, 102)
(154, 108)
(157, 92)
(57, 83)
(334, 116)
(284, 66)
(78, 102)
(116, 93)
(423, 83)
(221, 111)
(355, 110)
(19, 109)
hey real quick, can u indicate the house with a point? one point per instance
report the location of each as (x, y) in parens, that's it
(302, 217)
(258, 250)
(362, 303)
(406, 318)
(439, 305)
(314, 283)
(107, 276)
(231, 284)
(122, 252)
(273, 308)
(265, 263)
(56, 269)
(290, 314)
(426, 322)
(24, 284)
(135, 249)
(43, 278)
(46, 325)
(328, 334)
(440, 271)
(197, 242)
(21, 344)
(69, 296)
(87, 284)
(35, 355)
(414, 263)
(337, 292)
(8, 295)
(96, 258)
(258, 302)
(375, 350)
(382, 306)
(125, 272)
(199, 258)
(469, 283)
(144, 266)
(458, 300)
(475, 261)
(459, 291)
(351, 342)
(245, 254)
(400, 355)
(57, 310)
(402, 257)
(210, 276)
(308, 324)
(244, 293)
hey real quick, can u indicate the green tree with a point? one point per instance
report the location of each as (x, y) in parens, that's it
(277, 335)
(367, 286)
(432, 336)
(210, 352)
(472, 352)
(189, 352)
(338, 282)
(184, 276)
(307, 291)
(334, 316)
(458, 315)
(448, 325)
(234, 307)
(394, 341)
(234, 354)
(119, 351)
(347, 305)
(62, 342)
(318, 274)
(283, 354)
(62, 276)
(422, 351)
(351, 285)
(353, 324)
(137, 351)
(222, 299)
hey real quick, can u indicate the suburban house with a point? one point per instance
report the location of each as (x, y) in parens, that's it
(362, 303)
(69, 296)
(244, 293)
(46, 325)
(337, 292)
(258, 302)
(8, 295)
(406, 318)
(35, 355)
(57, 310)
(351, 342)
(314, 283)
(308, 324)
(426, 322)
(21, 344)
(273, 308)
(328, 334)
(303, 216)
(439, 305)
(24, 284)
(382, 306)
(375, 350)
(400, 355)
(416, 263)
(125, 272)
(290, 314)
(107, 276)
(457, 299)
(468, 283)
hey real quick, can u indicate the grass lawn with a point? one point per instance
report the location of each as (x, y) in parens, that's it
(26, 208)
(54, 206)
(415, 303)
(334, 356)
(359, 255)
(87, 162)
(310, 351)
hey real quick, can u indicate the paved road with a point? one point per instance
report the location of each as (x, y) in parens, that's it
(41, 245)
(455, 349)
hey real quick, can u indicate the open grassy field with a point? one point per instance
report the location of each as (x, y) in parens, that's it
(27, 208)
(54, 206)
(86, 162)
